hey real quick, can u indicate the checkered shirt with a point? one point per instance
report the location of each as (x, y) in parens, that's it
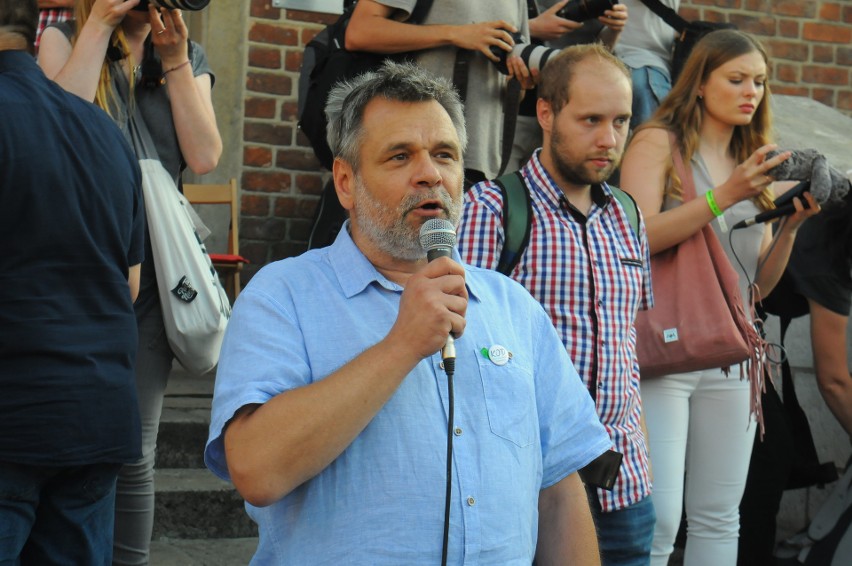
(591, 275)
(49, 16)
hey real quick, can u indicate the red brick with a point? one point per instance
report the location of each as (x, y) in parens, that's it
(823, 54)
(266, 181)
(788, 28)
(264, 9)
(787, 73)
(293, 60)
(825, 75)
(844, 101)
(311, 17)
(289, 111)
(790, 50)
(844, 56)
(266, 57)
(759, 25)
(309, 33)
(830, 12)
(254, 156)
(757, 5)
(260, 107)
(296, 159)
(300, 229)
(269, 83)
(824, 95)
(274, 34)
(309, 184)
(254, 205)
(307, 207)
(689, 13)
(273, 134)
(795, 8)
(269, 229)
(827, 33)
(847, 14)
(718, 3)
(285, 207)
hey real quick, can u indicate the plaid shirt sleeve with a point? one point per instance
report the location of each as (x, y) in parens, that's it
(50, 16)
(480, 234)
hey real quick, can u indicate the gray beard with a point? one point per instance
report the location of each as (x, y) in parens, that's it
(397, 238)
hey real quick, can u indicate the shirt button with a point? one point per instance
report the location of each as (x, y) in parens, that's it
(471, 501)
(457, 431)
(441, 365)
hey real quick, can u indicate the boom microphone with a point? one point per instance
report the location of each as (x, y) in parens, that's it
(783, 207)
(438, 237)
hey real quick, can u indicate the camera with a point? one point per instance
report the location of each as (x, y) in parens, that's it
(582, 10)
(191, 5)
(534, 56)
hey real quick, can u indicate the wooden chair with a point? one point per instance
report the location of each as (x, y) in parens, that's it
(228, 264)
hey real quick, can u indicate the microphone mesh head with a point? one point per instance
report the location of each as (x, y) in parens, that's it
(437, 233)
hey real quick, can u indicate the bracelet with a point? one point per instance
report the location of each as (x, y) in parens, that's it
(711, 202)
(175, 68)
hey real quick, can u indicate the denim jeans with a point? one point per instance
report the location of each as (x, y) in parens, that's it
(625, 535)
(56, 515)
(650, 87)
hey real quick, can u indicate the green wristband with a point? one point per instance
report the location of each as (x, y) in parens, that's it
(711, 202)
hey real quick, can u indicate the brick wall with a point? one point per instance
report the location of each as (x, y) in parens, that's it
(808, 40)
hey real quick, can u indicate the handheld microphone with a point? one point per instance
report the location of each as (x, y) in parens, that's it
(783, 207)
(438, 237)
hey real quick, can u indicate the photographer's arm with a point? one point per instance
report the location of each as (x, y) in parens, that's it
(78, 69)
(189, 96)
(373, 29)
(828, 342)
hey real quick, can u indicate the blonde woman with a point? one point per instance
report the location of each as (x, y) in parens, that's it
(125, 57)
(699, 422)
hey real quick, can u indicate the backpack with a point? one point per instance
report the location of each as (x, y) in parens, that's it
(325, 62)
(517, 215)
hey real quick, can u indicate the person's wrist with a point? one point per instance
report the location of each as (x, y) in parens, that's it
(712, 204)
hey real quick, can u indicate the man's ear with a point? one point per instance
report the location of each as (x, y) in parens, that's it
(344, 182)
(544, 113)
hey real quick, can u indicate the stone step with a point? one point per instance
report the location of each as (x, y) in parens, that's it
(202, 552)
(195, 504)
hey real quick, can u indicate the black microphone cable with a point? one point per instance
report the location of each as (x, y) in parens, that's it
(450, 369)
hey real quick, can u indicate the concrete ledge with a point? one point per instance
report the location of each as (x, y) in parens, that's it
(202, 552)
(194, 504)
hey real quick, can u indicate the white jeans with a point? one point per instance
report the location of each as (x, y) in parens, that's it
(698, 423)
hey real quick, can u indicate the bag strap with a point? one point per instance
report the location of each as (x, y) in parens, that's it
(630, 207)
(517, 220)
(667, 15)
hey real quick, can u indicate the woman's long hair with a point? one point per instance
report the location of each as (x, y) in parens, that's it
(682, 113)
(105, 95)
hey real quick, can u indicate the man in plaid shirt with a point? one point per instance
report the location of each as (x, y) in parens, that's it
(52, 11)
(587, 266)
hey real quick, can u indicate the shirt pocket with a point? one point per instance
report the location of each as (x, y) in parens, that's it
(509, 400)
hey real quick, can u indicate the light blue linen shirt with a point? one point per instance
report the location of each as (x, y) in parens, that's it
(520, 426)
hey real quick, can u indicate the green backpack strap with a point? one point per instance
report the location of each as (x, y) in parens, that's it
(517, 215)
(629, 206)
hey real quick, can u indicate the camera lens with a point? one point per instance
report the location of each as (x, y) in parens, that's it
(582, 10)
